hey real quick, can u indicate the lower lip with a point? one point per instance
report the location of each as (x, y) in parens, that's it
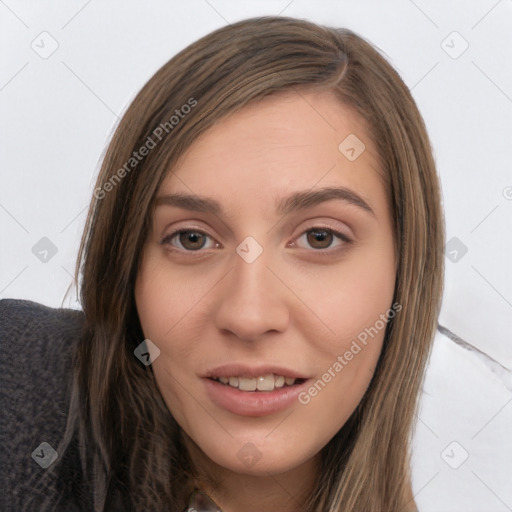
(253, 403)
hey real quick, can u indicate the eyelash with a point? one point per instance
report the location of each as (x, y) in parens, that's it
(197, 253)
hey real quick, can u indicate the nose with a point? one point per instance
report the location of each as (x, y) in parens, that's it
(252, 300)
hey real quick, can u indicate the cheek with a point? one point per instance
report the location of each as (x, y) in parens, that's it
(167, 298)
(352, 296)
(163, 302)
(353, 304)
(347, 358)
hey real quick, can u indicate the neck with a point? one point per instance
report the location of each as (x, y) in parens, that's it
(234, 492)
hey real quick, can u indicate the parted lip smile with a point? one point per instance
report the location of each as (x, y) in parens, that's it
(263, 377)
(254, 390)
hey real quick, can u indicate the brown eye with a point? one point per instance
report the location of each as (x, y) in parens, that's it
(187, 240)
(323, 240)
(319, 238)
(192, 240)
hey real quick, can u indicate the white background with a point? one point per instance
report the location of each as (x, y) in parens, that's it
(58, 111)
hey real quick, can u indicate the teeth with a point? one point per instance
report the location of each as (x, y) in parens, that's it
(245, 384)
(263, 383)
(279, 381)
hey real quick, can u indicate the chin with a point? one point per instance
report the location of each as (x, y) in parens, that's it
(257, 459)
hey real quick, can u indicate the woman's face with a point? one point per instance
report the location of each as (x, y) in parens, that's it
(271, 258)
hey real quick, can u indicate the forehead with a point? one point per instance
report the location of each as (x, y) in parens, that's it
(290, 141)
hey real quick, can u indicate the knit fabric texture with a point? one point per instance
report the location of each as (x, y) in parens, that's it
(37, 345)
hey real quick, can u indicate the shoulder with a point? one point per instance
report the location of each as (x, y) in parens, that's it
(37, 345)
(16, 315)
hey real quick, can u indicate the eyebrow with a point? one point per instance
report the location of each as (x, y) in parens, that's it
(295, 201)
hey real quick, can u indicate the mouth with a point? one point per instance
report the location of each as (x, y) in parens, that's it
(263, 383)
(254, 391)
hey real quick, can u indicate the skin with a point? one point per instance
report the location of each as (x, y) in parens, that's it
(292, 306)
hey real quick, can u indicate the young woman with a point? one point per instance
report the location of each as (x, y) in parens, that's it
(260, 275)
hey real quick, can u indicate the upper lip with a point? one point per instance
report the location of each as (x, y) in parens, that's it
(245, 370)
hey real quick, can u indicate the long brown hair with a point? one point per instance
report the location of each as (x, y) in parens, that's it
(129, 442)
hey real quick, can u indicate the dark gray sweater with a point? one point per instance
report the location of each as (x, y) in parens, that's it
(37, 343)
